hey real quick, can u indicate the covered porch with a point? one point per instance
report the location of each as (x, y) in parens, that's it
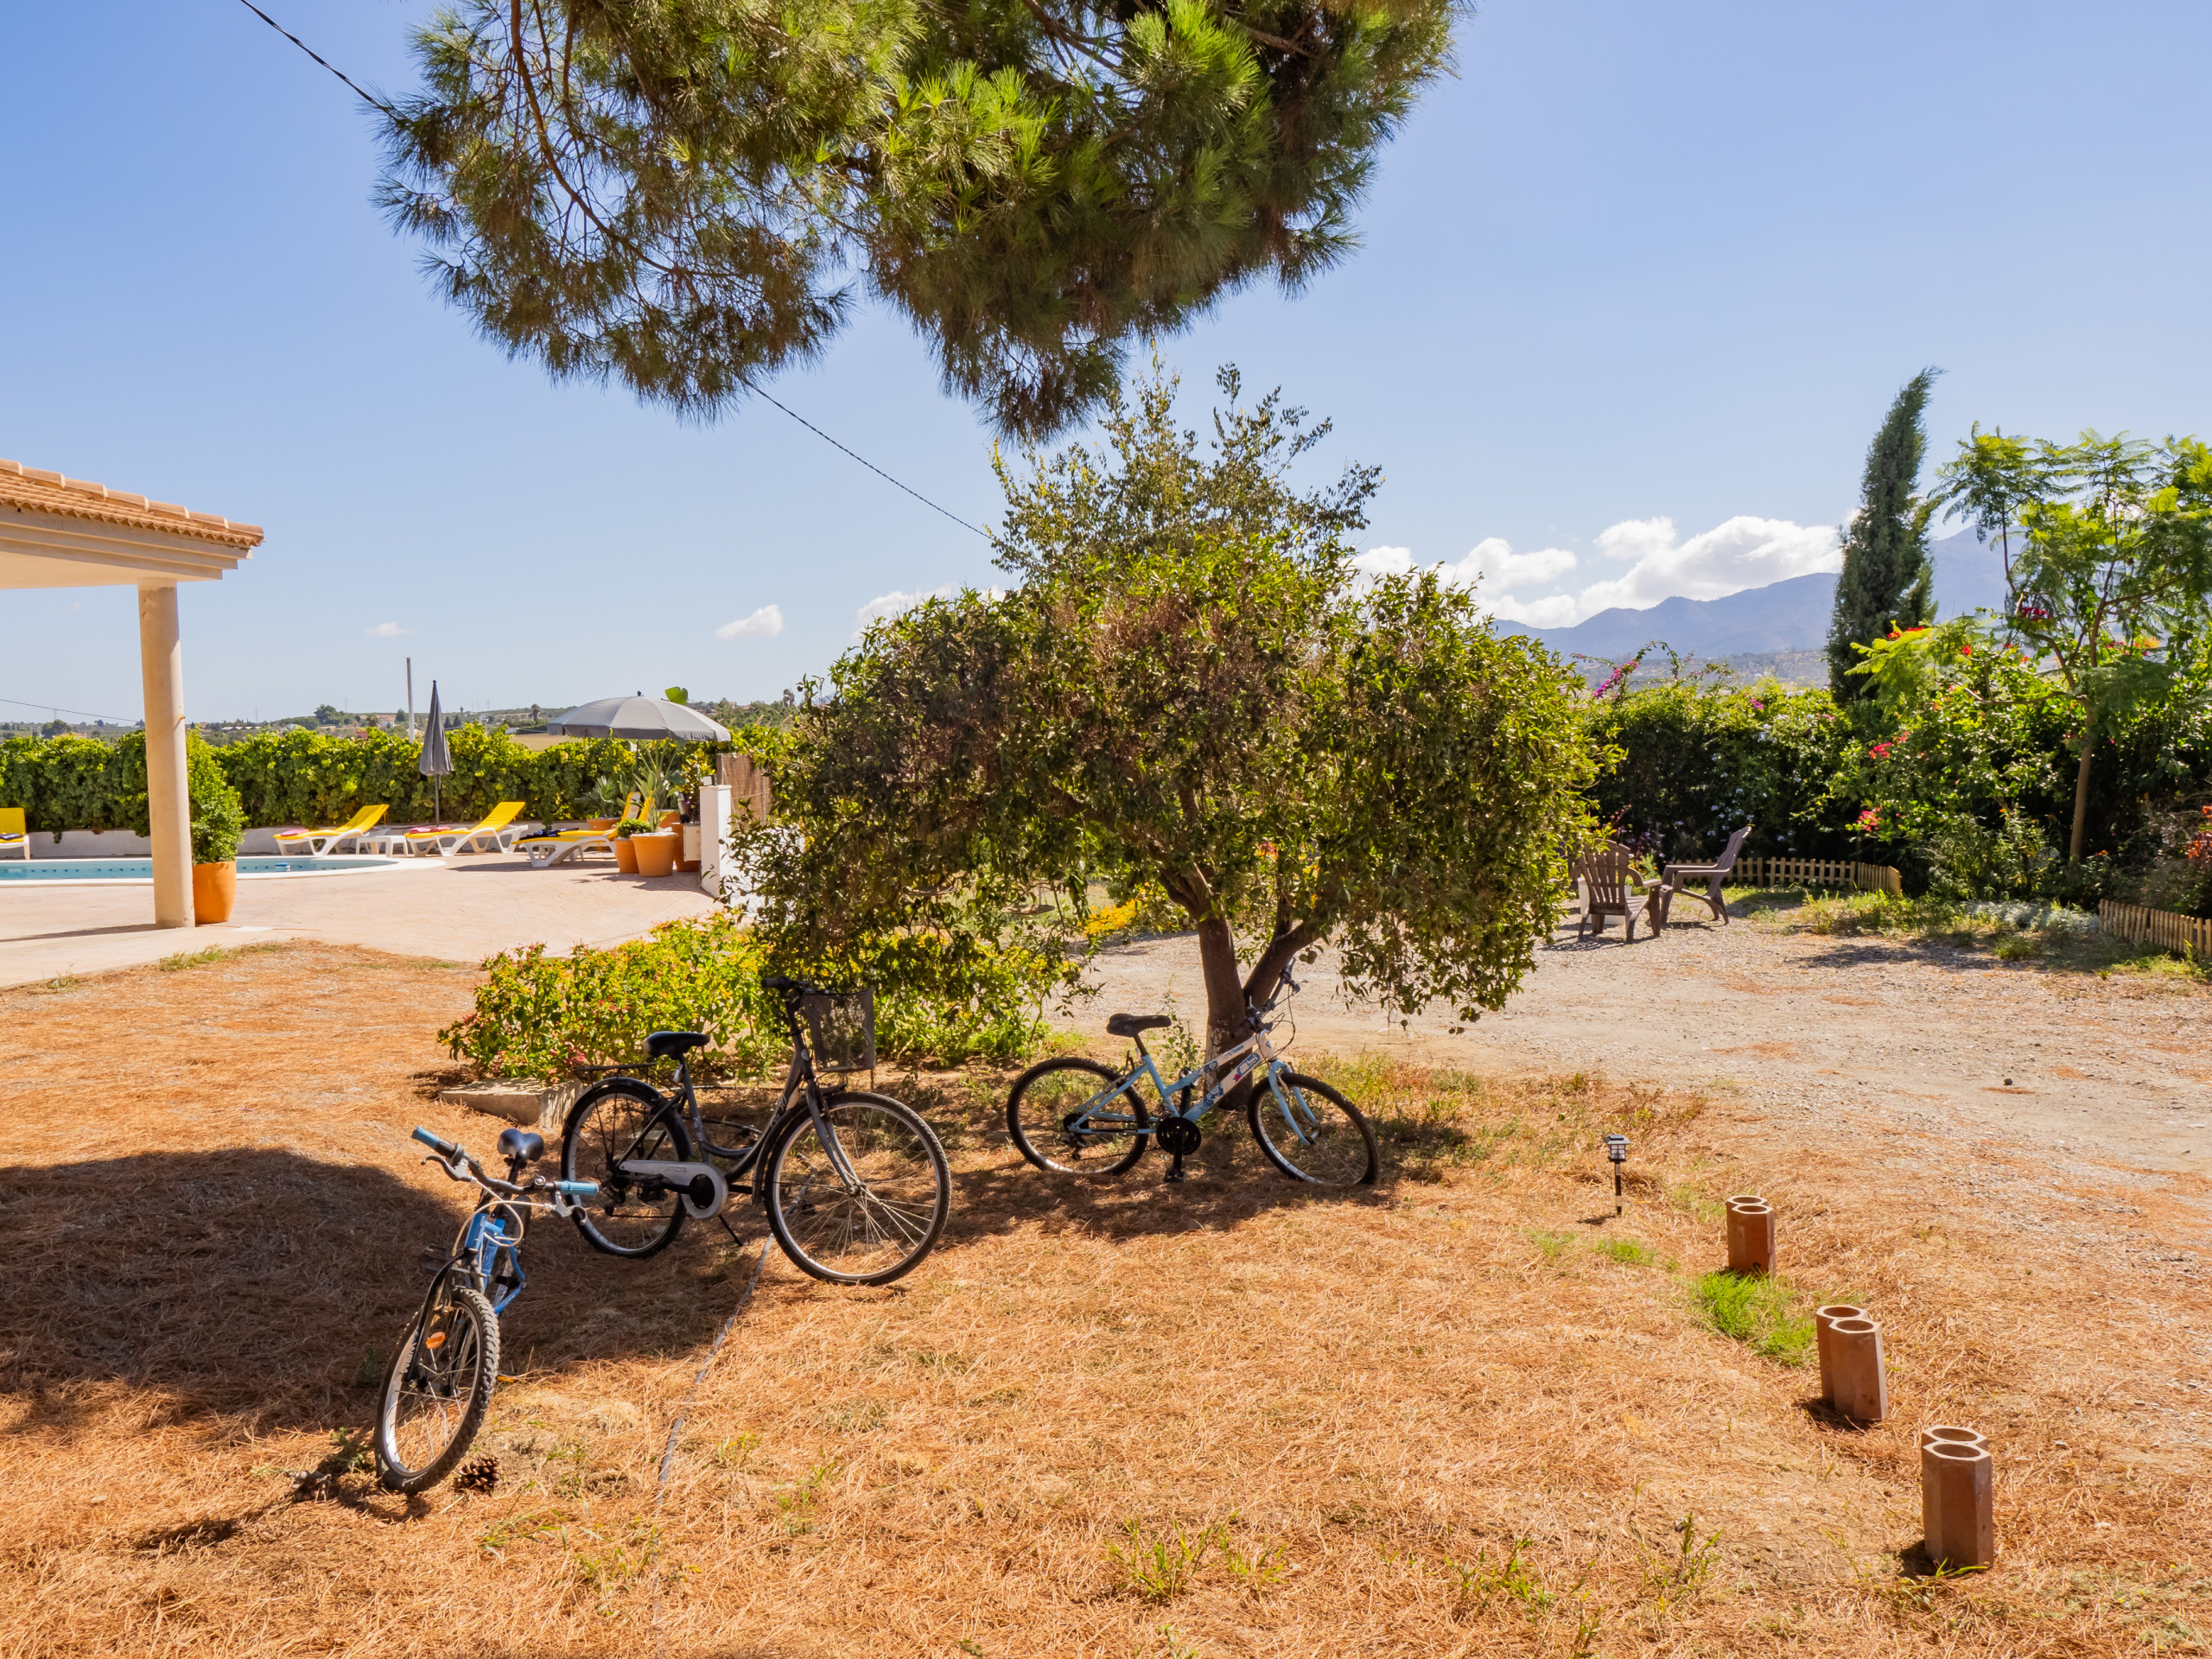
(66, 532)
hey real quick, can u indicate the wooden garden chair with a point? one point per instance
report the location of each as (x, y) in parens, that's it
(1713, 875)
(1609, 888)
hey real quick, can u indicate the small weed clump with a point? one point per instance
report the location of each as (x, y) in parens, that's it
(1757, 1310)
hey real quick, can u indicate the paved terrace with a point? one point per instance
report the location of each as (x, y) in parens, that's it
(460, 909)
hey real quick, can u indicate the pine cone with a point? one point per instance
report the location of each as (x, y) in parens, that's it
(478, 1475)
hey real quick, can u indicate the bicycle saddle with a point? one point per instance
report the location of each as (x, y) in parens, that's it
(667, 1045)
(520, 1146)
(1128, 1025)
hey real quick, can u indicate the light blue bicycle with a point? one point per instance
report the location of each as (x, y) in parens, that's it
(1076, 1117)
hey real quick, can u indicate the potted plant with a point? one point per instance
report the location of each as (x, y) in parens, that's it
(625, 855)
(656, 852)
(218, 821)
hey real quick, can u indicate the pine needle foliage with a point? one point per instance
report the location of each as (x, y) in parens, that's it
(1888, 576)
(685, 194)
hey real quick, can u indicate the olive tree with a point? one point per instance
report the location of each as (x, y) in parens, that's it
(1211, 702)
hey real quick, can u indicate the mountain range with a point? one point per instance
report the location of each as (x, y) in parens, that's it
(1791, 615)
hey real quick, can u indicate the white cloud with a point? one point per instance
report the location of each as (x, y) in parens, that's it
(1650, 560)
(886, 605)
(764, 623)
(384, 631)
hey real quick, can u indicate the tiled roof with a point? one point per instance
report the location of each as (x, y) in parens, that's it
(29, 489)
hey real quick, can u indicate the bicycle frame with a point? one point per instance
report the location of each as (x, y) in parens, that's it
(488, 1253)
(1255, 1053)
(800, 1083)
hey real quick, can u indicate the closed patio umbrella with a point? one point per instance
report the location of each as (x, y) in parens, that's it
(436, 761)
(642, 718)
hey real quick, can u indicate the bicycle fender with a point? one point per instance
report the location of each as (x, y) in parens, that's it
(683, 1178)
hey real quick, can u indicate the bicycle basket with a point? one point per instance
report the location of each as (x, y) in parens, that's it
(842, 1027)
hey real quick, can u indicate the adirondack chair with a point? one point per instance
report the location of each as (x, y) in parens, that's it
(1608, 879)
(1713, 874)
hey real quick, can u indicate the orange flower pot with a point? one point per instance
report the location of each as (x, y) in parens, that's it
(655, 854)
(625, 854)
(215, 890)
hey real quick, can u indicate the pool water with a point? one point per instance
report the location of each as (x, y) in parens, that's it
(142, 869)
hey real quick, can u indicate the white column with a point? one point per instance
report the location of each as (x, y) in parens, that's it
(167, 797)
(713, 832)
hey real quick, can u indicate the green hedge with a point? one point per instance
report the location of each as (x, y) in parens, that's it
(315, 778)
(542, 1016)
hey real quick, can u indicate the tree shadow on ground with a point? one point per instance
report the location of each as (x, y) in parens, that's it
(267, 1285)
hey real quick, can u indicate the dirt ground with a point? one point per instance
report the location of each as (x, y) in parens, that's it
(1844, 1031)
(1470, 1411)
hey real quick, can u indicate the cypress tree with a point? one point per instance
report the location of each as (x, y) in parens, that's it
(1888, 578)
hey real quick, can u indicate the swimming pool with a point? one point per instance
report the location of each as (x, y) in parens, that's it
(142, 869)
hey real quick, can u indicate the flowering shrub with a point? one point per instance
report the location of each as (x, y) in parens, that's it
(543, 1016)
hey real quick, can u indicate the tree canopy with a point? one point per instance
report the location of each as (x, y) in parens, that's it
(686, 193)
(2108, 546)
(1888, 578)
(1219, 709)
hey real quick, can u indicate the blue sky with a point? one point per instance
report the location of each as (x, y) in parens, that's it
(1636, 288)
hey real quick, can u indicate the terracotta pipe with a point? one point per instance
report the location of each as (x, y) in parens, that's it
(1957, 1499)
(1862, 1388)
(1931, 1525)
(1822, 1318)
(1750, 1235)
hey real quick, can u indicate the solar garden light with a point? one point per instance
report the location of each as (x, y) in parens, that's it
(1617, 1149)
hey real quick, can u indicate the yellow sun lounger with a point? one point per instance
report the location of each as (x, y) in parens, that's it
(318, 841)
(494, 832)
(13, 836)
(545, 850)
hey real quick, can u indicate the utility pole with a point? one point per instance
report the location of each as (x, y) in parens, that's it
(410, 699)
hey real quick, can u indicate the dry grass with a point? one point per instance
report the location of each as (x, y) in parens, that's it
(1470, 1413)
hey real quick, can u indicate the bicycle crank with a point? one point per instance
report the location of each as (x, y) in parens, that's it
(1177, 1136)
(705, 1192)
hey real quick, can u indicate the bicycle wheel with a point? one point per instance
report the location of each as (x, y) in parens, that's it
(877, 1227)
(438, 1390)
(1322, 1138)
(621, 1120)
(1043, 1099)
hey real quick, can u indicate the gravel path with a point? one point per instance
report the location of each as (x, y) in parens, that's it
(1846, 1032)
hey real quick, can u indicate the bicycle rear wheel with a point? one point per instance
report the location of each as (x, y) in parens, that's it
(875, 1228)
(1322, 1138)
(1042, 1104)
(438, 1390)
(618, 1120)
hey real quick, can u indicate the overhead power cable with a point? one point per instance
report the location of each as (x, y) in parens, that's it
(55, 708)
(378, 103)
(367, 98)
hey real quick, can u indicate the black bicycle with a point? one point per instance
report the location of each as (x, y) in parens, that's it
(439, 1385)
(855, 1183)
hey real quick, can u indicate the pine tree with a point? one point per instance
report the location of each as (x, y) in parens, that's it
(688, 196)
(1888, 578)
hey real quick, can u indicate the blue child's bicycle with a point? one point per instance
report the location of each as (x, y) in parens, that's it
(440, 1382)
(1075, 1117)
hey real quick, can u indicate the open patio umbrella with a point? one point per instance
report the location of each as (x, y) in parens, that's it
(436, 761)
(639, 717)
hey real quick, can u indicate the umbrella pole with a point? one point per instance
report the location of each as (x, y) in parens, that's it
(437, 801)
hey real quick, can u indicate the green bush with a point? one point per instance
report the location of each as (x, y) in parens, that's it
(538, 1016)
(1694, 761)
(218, 820)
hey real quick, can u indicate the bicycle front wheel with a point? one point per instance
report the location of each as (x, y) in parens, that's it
(1041, 1115)
(1321, 1138)
(870, 1228)
(613, 1124)
(438, 1390)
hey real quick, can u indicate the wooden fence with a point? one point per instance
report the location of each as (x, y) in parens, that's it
(1819, 873)
(748, 787)
(2135, 923)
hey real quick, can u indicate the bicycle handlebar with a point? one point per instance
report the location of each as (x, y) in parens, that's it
(460, 1167)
